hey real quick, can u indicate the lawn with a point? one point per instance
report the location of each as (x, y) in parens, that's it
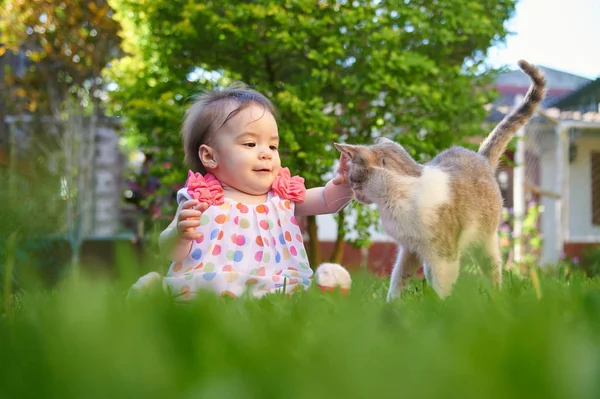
(83, 340)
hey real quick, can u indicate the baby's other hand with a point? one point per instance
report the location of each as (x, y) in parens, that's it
(341, 175)
(188, 218)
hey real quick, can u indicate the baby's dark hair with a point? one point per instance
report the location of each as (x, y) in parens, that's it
(206, 115)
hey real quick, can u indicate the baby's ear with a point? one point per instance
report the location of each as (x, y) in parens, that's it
(207, 157)
(348, 149)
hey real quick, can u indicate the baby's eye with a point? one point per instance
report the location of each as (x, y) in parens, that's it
(273, 147)
(251, 145)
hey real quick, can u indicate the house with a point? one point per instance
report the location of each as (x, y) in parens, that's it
(576, 156)
(101, 211)
(98, 216)
(556, 164)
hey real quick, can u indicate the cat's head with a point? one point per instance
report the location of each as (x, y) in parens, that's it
(372, 167)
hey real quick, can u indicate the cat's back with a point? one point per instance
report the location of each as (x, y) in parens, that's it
(471, 179)
(459, 160)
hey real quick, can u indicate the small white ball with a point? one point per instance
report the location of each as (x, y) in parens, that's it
(147, 283)
(331, 275)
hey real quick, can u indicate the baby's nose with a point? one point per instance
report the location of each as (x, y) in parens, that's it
(265, 155)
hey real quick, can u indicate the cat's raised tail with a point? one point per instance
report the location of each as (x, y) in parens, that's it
(495, 143)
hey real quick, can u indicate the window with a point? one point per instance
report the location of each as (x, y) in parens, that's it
(596, 188)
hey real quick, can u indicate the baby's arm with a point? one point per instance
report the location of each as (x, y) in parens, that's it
(329, 199)
(324, 200)
(176, 240)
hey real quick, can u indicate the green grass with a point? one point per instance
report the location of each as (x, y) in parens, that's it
(83, 340)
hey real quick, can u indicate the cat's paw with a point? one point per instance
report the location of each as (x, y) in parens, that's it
(330, 276)
(393, 294)
(147, 284)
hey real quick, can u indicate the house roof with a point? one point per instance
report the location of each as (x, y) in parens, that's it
(564, 90)
(574, 98)
(557, 80)
(499, 113)
(583, 119)
(559, 84)
(508, 93)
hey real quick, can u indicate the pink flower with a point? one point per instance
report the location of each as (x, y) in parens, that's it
(288, 187)
(205, 188)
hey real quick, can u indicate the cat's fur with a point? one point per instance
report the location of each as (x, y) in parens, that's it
(438, 209)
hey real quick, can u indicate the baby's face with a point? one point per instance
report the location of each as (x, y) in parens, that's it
(246, 150)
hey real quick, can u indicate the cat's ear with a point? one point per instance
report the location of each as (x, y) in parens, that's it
(348, 149)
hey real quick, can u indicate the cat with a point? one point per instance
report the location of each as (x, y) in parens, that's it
(437, 210)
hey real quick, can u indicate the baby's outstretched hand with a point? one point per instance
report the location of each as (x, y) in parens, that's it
(188, 218)
(341, 175)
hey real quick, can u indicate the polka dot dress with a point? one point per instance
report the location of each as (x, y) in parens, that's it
(243, 248)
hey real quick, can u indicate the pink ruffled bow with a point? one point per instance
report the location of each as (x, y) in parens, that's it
(288, 187)
(208, 189)
(205, 188)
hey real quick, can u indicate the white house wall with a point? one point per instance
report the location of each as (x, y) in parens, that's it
(107, 183)
(581, 228)
(548, 219)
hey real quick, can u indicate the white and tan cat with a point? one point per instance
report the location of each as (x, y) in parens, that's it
(437, 210)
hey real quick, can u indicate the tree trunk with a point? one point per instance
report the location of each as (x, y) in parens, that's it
(314, 249)
(74, 174)
(12, 164)
(88, 165)
(338, 249)
(68, 140)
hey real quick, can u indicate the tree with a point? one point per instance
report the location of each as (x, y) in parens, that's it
(57, 91)
(337, 70)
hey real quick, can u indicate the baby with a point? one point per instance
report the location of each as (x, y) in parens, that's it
(236, 229)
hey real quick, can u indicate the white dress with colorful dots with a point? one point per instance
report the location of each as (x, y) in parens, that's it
(244, 248)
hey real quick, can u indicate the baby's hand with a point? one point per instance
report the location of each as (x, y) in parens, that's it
(341, 175)
(188, 218)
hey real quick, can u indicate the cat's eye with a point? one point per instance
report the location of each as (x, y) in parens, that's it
(357, 177)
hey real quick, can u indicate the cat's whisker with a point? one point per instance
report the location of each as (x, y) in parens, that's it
(342, 199)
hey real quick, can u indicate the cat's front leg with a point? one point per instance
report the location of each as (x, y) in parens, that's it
(407, 263)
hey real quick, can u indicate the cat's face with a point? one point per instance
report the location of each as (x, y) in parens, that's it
(363, 167)
(366, 167)
(372, 166)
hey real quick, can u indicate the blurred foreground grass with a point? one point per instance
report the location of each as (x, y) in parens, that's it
(83, 340)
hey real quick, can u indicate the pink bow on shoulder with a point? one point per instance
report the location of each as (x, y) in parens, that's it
(288, 187)
(205, 188)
